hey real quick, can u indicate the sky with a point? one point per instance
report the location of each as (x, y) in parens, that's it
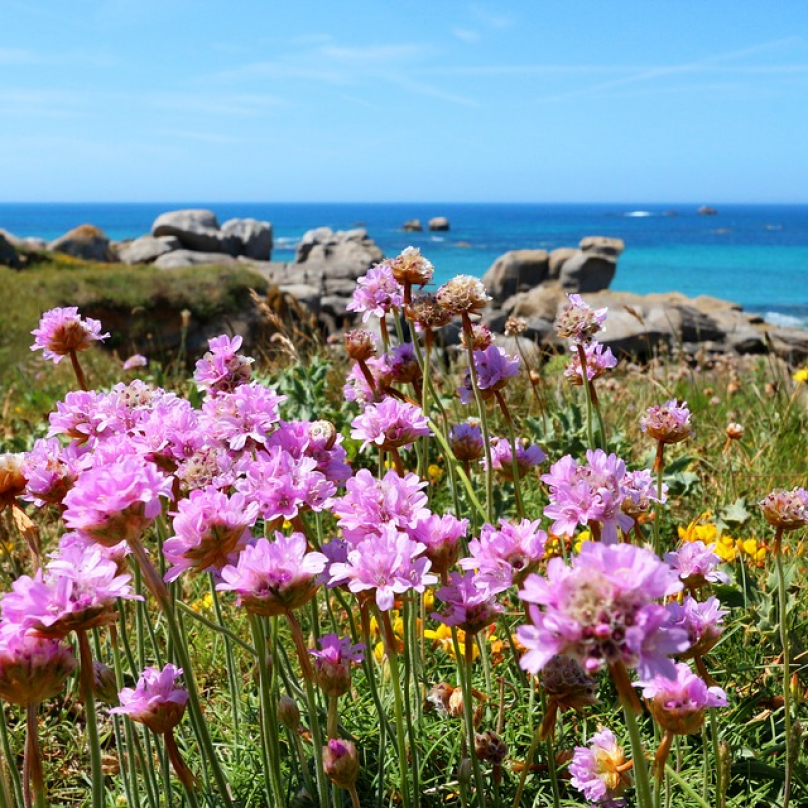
(404, 100)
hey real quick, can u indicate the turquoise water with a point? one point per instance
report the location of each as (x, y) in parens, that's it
(754, 255)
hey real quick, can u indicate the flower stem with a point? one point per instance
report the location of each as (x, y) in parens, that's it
(782, 598)
(686, 787)
(590, 432)
(33, 756)
(520, 509)
(80, 377)
(642, 783)
(86, 678)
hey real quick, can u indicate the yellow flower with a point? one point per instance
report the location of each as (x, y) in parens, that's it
(801, 375)
(435, 473)
(583, 536)
(429, 599)
(725, 548)
(203, 604)
(442, 638)
(698, 531)
(751, 548)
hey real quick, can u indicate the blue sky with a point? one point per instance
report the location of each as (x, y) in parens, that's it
(360, 100)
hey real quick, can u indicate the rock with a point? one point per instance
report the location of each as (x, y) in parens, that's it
(706, 210)
(439, 223)
(557, 259)
(8, 255)
(146, 249)
(603, 245)
(516, 271)
(86, 242)
(543, 303)
(790, 344)
(197, 230)
(341, 255)
(587, 272)
(412, 226)
(190, 258)
(255, 237)
(26, 243)
(309, 296)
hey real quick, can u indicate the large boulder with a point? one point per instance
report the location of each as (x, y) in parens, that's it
(25, 243)
(196, 230)
(192, 258)
(336, 256)
(86, 242)
(146, 249)
(516, 271)
(587, 272)
(603, 245)
(412, 226)
(557, 259)
(8, 255)
(255, 237)
(439, 223)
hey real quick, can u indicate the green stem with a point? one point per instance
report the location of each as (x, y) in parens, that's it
(33, 756)
(13, 772)
(86, 678)
(782, 598)
(686, 787)
(552, 769)
(590, 432)
(520, 509)
(659, 467)
(642, 782)
(719, 786)
(230, 635)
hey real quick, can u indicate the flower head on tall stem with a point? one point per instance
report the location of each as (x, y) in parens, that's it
(697, 564)
(787, 510)
(222, 368)
(528, 456)
(425, 311)
(702, 621)
(156, 701)
(600, 770)
(51, 469)
(578, 321)
(62, 332)
(332, 663)
(601, 611)
(667, 423)
(599, 359)
(466, 442)
(463, 294)
(494, 367)
(441, 536)
(341, 762)
(377, 293)
(273, 578)
(390, 424)
(467, 604)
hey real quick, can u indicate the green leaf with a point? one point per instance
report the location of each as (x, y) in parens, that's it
(736, 514)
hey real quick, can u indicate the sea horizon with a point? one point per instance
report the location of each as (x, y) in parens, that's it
(669, 246)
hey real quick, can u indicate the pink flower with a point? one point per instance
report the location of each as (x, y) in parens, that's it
(702, 621)
(441, 536)
(494, 367)
(578, 321)
(599, 771)
(601, 611)
(696, 564)
(468, 603)
(466, 441)
(273, 578)
(116, 502)
(32, 668)
(599, 359)
(156, 701)
(787, 510)
(209, 530)
(62, 332)
(528, 456)
(51, 469)
(390, 424)
(377, 293)
(505, 555)
(389, 563)
(641, 491)
(678, 704)
(135, 361)
(667, 423)
(333, 663)
(222, 369)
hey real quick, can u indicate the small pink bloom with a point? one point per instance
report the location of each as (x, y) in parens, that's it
(62, 332)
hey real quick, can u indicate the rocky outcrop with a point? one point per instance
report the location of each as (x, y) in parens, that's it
(412, 226)
(439, 223)
(191, 258)
(557, 259)
(602, 245)
(86, 242)
(146, 249)
(255, 238)
(587, 272)
(706, 210)
(196, 230)
(26, 243)
(8, 255)
(340, 255)
(516, 271)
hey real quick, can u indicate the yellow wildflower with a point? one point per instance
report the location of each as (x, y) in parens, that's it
(725, 548)
(700, 530)
(435, 473)
(801, 375)
(429, 599)
(583, 536)
(203, 604)
(442, 638)
(756, 551)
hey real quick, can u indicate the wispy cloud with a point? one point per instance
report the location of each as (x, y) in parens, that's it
(374, 54)
(466, 34)
(18, 56)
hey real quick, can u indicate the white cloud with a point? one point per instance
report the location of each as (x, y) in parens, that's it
(466, 34)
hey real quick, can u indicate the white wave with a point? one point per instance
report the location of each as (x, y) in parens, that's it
(785, 320)
(437, 238)
(286, 243)
(639, 214)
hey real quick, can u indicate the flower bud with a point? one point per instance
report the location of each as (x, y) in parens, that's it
(360, 345)
(734, 431)
(489, 747)
(288, 713)
(104, 685)
(341, 762)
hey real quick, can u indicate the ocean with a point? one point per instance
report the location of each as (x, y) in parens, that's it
(755, 255)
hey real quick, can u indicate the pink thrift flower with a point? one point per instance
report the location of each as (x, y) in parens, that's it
(599, 770)
(390, 424)
(702, 621)
(116, 502)
(601, 610)
(466, 441)
(578, 321)
(209, 530)
(494, 367)
(599, 359)
(441, 536)
(222, 368)
(668, 423)
(156, 701)
(386, 564)
(640, 489)
(377, 293)
(273, 578)
(697, 564)
(318, 440)
(678, 704)
(135, 361)
(51, 470)
(62, 332)
(528, 456)
(82, 417)
(468, 603)
(332, 663)
(787, 510)
(32, 668)
(505, 555)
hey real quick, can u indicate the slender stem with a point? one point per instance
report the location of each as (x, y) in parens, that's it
(549, 746)
(590, 432)
(233, 637)
(80, 377)
(520, 508)
(686, 787)
(782, 598)
(659, 467)
(184, 774)
(354, 797)
(719, 774)
(86, 678)
(13, 771)
(33, 756)
(642, 782)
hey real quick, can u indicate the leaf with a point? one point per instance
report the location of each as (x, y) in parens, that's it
(736, 514)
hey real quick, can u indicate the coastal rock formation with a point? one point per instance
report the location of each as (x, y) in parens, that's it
(439, 223)
(706, 210)
(27, 243)
(8, 255)
(86, 242)
(516, 271)
(191, 258)
(146, 249)
(196, 230)
(254, 237)
(603, 245)
(587, 272)
(412, 226)
(340, 255)
(557, 259)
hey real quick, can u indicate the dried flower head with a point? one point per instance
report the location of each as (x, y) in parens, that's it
(427, 312)
(668, 423)
(734, 431)
(514, 326)
(568, 684)
(489, 747)
(410, 267)
(787, 510)
(578, 321)
(481, 338)
(12, 478)
(463, 294)
(360, 344)
(62, 332)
